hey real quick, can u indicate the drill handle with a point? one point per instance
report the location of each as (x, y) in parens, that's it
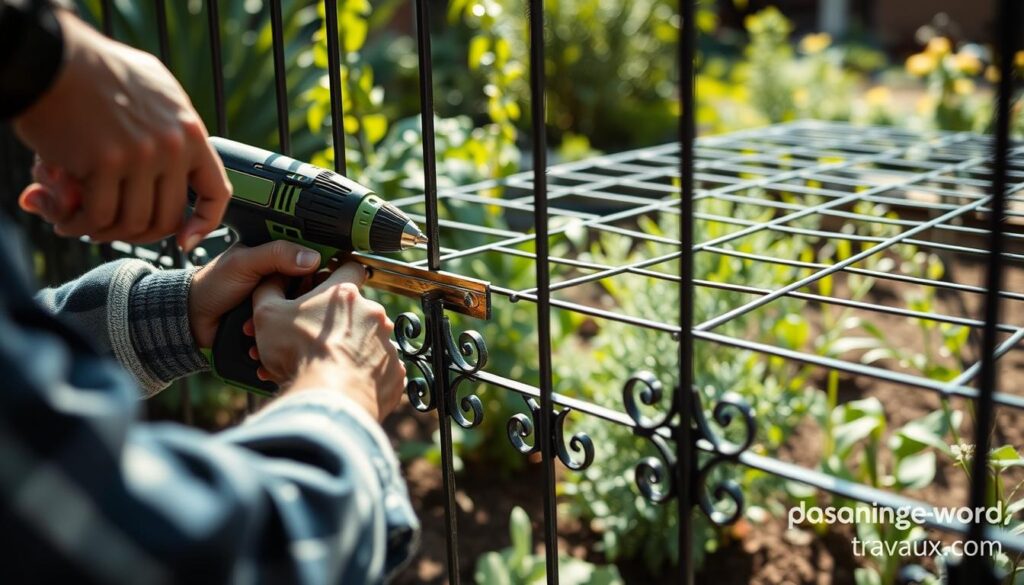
(230, 353)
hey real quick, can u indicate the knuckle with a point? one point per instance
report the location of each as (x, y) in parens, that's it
(113, 157)
(280, 249)
(166, 223)
(192, 127)
(144, 149)
(172, 142)
(347, 291)
(262, 312)
(98, 217)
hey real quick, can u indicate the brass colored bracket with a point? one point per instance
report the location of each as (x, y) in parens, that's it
(467, 296)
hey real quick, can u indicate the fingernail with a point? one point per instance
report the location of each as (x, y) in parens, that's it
(191, 242)
(37, 201)
(307, 258)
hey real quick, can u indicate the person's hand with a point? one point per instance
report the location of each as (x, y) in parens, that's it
(232, 276)
(123, 134)
(330, 337)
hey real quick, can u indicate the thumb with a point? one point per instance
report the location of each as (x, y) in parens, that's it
(250, 265)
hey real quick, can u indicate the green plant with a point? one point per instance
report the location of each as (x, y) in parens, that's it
(951, 102)
(518, 565)
(781, 396)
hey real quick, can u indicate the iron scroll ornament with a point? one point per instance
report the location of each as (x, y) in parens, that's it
(654, 477)
(465, 357)
(521, 426)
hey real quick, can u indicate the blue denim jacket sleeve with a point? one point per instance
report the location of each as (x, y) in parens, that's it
(307, 491)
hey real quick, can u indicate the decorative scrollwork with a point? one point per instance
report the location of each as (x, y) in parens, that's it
(653, 476)
(408, 328)
(724, 490)
(419, 389)
(724, 413)
(580, 442)
(520, 427)
(471, 353)
(469, 403)
(651, 393)
(722, 502)
(467, 358)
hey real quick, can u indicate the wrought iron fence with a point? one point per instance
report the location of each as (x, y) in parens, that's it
(788, 173)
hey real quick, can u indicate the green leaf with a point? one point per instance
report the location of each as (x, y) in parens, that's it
(490, 568)
(793, 330)
(851, 433)
(376, 127)
(521, 532)
(1004, 457)
(916, 471)
(478, 46)
(866, 576)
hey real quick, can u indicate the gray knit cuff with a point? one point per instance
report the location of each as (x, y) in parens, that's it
(159, 328)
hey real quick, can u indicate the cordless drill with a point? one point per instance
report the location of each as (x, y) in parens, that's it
(279, 198)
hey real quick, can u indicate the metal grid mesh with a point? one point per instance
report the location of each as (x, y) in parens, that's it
(877, 189)
(881, 190)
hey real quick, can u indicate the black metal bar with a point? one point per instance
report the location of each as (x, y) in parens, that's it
(1009, 17)
(161, 32)
(426, 83)
(213, 21)
(107, 17)
(685, 471)
(540, 219)
(334, 79)
(280, 87)
(433, 310)
(168, 247)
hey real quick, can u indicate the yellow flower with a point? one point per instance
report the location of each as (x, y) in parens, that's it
(967, 63)
(815, 43)
(801, 97)
(939, 46)
(878, 96)
(963, 86)
(1019, 59)
(925, 105)
(921, 64)
(992, 74)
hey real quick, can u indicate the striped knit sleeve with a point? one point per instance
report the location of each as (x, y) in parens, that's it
(138, 314)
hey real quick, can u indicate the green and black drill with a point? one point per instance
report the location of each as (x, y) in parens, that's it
(279, 198)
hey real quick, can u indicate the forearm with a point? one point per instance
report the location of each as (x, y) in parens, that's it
(135, 313)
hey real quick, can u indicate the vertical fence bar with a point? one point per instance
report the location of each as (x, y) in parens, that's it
(540, 219)
(427, 121)
(217, 56)
(280, 87)
(683, 404)
(978, 569)
(107, 17)
(107, 24)
(162, 35)
(334, 78)
(433, 307)
(177, 256)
